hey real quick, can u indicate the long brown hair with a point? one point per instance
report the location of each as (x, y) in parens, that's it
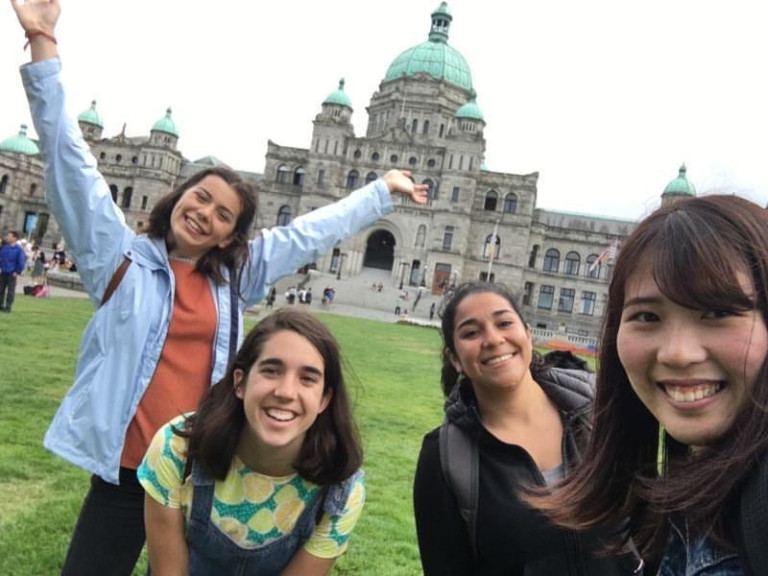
(331, 451)
(235, 255)
(695, 249)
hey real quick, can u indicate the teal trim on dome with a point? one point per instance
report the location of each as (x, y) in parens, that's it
(20, 144)
(166, 125)
(434, 57)
(90, 116)
(681, 184)
(339, 97)
(470, 110)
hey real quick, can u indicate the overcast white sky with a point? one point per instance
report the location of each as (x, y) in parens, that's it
(604, 99)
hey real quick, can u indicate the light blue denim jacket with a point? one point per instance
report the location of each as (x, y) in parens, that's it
(122, 343)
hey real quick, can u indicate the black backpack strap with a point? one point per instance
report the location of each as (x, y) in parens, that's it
(460, 461)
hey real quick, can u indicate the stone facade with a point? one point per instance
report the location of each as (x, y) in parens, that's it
(477, 221)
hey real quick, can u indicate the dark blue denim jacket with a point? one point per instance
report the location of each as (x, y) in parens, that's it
(689, 555)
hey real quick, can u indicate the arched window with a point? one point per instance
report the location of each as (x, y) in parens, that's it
(352, 178)
(421, 236)
(113, 191)
(3, 183)
(127, 194)
(284, 216)
(370, 177)
(283, 174)
(414, 126)
(551, 260)
(412, 160)
(572, 263)
(298, 176)
(442, 130)
(393, 159)
(490, 244)
(592, 266)
(357, 155)
(425, 128)
(430, 189)
(491, 198)
(431, 163)
(32, 189)
(375, 156)
(510, 203)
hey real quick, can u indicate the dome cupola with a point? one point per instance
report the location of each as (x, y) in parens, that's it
(166, 124)
(339, 97)
(20, 144)
(470, 110)
(91, 116)
(681, 185)
(434, 57)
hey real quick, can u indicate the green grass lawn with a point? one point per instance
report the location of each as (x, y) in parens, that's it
(396, 396)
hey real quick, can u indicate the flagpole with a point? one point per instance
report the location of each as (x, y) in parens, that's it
(493, 250)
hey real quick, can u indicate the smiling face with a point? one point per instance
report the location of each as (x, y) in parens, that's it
(204, 218)
(492, 345)
(693, 369)
(282, 395)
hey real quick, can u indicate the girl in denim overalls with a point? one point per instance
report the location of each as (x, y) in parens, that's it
(265, 477)
(680, 442)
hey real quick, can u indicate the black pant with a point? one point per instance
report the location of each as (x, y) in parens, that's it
(7, 284)
(109, 533)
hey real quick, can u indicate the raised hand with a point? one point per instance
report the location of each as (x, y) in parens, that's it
(400, 181)
(37, 15)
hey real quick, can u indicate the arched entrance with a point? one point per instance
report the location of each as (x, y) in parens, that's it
(380, 250)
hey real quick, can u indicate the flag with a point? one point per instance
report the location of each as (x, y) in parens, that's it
(608, 254)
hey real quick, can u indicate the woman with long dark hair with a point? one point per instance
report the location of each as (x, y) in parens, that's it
(513, 420)
(681, 435)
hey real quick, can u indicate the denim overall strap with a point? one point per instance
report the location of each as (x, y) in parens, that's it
(211, 551)
(338, 494)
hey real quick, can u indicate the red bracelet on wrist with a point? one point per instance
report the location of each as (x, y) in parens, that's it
(32, 34)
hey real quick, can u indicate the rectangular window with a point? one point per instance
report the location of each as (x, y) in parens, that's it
(320, 176)
(527, 292)
(588, 303)
(565, 304)
(448, 238)
(546, 296)
(484, 277)
(455, 194)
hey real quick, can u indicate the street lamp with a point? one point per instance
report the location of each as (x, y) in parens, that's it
(403, 266)
(341, 263)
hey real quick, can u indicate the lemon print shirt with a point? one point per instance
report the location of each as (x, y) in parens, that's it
(251, 508)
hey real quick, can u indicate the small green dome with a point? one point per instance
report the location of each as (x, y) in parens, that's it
(166, 125)
(681, 184)
(434, 57)
(20, 144)
(470, 110)
(339, 97)
(90, 116)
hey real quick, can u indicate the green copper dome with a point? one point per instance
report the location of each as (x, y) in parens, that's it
(20, 144)
(470, 110)
(434, 57)
(339, 97)
(680, 185)
(166, 124)
(91, 116)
